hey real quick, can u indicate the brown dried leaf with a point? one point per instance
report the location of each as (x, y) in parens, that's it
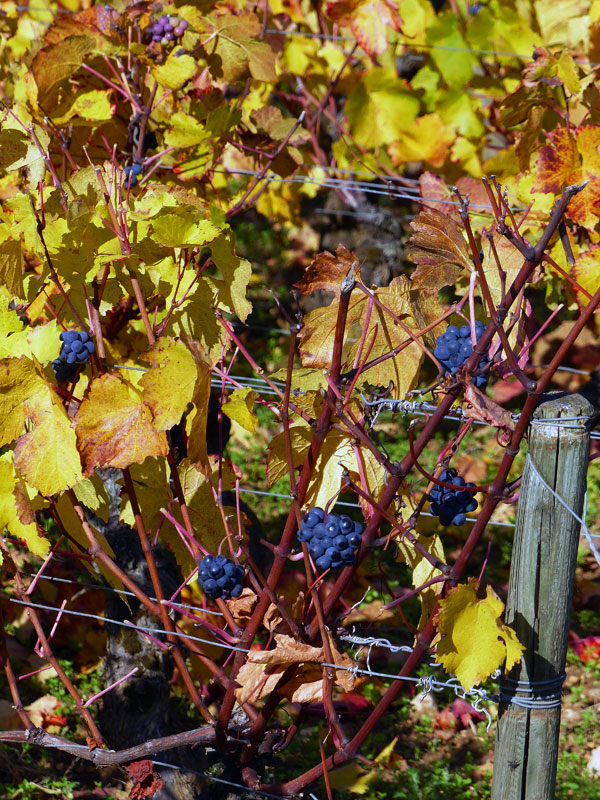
(327, 271)
(438, 248)
(272, 620)
(146, 782)
(483, 408)
(42, 708)
(287, 651)
(264, 668)
(370, 612)
(255, 682)
(241, 607)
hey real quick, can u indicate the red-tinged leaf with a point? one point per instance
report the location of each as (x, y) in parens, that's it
(587, 649)
(571, 159)
(584, 208)
(557, 161)
(586, 272)
(146, 782)
(368, 20)
(474, 189)
(464, 712)
(327, 271)
(98, 19)
(434, 189)
(439, 249)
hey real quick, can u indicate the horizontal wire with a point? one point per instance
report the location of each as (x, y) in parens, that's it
(130, 625)
(409, 43)
(365, 187)
(99, 586)
(222, 780)
(244, 490)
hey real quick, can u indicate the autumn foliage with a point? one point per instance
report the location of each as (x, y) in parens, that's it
(257, 107)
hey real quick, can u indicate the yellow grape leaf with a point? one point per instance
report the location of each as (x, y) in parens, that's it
(450, 52)
(386, 334)
(115, 427)
(236, 51)
(22, 391)
(354, 778)
(305, 380)
(511, 261)
(184, 229)
(92, 493)
(168, 386)
(94, 106)
(47, 456)
(239, 408)
(9, 516)
(475, 642)
(39, 341)
(335, 456)
(423, 571)
(379, 108)
(11, 263)
(196, 421)
(176, 71)
(586, 272)
(204, 512)
(427, 140)
(185, 131)
(368, 20)
(318, 334)
(236, 274)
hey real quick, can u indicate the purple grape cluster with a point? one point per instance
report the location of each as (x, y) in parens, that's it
(220, 577)
(451, 505)
(331, 542)
(132, 173)
(454, 347)
(75, 352)
(167, 29)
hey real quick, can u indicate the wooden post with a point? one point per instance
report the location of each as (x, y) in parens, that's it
(539, 598)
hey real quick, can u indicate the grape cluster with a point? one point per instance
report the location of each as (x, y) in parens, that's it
(220, 577)
(454, 347)
(167, 29)
(131, 175)
(331, 542)
(74, 353)
(451, 505)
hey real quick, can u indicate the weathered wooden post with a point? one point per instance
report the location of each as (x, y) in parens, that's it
(539, 598)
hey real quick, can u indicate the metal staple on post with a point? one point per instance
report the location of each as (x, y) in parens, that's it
(539, 598)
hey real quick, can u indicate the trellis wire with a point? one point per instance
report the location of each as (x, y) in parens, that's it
(429, 683)
(97, 586)
(129, 625)
(409, 43)
(222, 780)
(363, 186)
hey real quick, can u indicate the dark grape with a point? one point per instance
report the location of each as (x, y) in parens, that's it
(157, 29)
(454, 347)
(451, 506)
(332, 541)
(74, 353)
(220, 577)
